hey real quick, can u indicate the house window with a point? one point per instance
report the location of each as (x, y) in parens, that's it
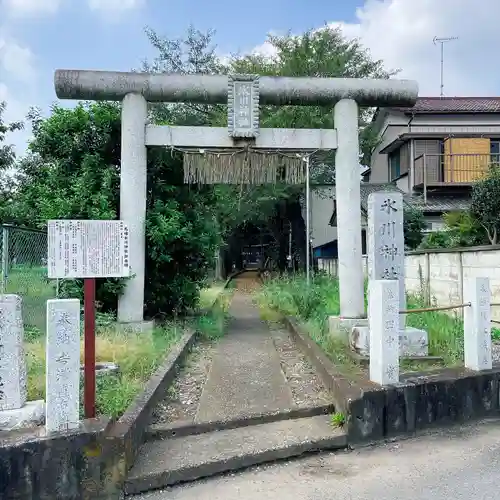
(495, 150)
(394, 164)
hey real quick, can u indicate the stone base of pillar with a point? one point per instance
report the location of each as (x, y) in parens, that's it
(413, 342)
(136, 327)
(31, 414)
(340, 327)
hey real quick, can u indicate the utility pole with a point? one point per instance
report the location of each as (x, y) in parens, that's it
(442, 41)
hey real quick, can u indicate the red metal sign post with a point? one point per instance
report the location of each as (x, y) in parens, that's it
(89, 341)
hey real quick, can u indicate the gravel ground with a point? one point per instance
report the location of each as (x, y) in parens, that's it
(182, 400)
(307, 388)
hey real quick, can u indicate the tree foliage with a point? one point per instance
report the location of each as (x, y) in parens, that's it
(485, 206)
(413, 226)
(462, 229)
(7, 155)
(7, 160)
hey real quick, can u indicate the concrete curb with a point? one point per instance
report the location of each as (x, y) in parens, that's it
(165, 431)
(420, 401)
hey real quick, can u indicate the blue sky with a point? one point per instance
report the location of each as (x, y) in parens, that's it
(38, 36)
(83, 38)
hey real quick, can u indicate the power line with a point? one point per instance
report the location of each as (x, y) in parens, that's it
(442, 41)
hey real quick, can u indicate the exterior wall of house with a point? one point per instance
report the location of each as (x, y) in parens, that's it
(395, 124)
(403, 183)
(321, 210)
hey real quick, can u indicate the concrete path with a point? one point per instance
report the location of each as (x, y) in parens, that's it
(245, 376)
(460, 464)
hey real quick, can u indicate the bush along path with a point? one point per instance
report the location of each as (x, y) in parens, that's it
(249, 410)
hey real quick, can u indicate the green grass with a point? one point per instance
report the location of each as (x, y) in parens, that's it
(312, 305)
(212, 325)
(137, 355)
(337, 419)
(210, 294)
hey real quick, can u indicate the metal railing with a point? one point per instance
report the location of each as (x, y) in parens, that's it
(445, 169)
(24, 271)
(436, 308)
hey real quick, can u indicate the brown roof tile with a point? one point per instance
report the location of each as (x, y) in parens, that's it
(454, 105)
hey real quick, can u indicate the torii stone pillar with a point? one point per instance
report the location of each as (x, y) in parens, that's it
(133, 186)
(135, 89)
(348, 197)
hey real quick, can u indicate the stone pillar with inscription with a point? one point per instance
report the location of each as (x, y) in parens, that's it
(15, 411)
(385, 245)
(63, 365)
(386, 261)
(477, 324)
(384, 331)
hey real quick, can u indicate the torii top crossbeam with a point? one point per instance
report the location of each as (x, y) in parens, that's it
(213, 89)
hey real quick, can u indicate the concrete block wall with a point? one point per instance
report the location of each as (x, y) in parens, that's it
(440, 273)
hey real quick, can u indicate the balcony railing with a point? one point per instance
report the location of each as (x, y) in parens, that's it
(451, 169)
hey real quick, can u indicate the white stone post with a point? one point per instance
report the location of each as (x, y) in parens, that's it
(477, 324)
(348, 198)
(133, 184)
(384, 331)
(63, 365)
(12, 359)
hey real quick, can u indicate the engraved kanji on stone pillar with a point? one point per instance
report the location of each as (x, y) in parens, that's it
(63, 365)
(384, 331)
(477, 324)
(12, 358)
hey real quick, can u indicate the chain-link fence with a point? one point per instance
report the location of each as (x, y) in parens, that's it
(24, 272)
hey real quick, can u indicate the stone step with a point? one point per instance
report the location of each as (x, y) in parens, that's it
(190, 428)
(166, 462)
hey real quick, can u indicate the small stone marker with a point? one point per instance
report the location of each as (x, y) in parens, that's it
(12, 358)
(386, 246)
(477, 324)
(384, 331)
(63, 365)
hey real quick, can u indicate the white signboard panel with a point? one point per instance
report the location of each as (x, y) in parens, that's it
(88, 249)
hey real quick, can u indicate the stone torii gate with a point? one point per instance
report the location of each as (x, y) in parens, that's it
(136, 89)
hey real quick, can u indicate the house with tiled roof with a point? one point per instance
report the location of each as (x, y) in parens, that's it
(435, 150)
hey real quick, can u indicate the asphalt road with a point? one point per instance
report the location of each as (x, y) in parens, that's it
(462, 463)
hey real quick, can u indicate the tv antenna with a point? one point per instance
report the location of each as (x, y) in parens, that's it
(442, 41)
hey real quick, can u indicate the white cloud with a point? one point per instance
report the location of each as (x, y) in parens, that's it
(17, 61)
(115, 5)
(16, 111)
(30, 7)
(265, 49)
(17, 84)
(401, 32)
